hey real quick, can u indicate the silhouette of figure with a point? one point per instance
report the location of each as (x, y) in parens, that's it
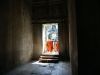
(57, 46)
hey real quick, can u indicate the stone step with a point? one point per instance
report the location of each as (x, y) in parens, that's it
(48, 60)
(52, 57)
(49, 57)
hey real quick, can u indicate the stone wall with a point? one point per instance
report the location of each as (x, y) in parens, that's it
(48, 11)
(73, 51)
(63, 40)
(37, 44)
(88, 30)
(16, 34)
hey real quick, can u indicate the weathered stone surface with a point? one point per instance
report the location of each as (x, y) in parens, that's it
(73, 51)
(16, 34)
(37, 68)
(50, 11)
(63, 40)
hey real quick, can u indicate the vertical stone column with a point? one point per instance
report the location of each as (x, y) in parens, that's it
(73, 51)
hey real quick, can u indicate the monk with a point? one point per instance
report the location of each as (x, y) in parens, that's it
(57, 46)
(49, 45)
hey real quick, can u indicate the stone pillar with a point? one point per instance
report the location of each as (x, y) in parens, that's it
(73, 51)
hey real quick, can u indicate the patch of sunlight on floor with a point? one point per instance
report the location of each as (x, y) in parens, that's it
(37, 62)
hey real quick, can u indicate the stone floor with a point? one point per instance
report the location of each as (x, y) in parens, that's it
(37, 68)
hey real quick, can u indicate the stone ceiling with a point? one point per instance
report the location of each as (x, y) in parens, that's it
(35, 3)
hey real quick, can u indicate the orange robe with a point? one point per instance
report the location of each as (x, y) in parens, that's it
(57, 46)
(49, 46)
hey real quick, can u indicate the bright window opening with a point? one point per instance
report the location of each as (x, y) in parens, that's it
(50, 38)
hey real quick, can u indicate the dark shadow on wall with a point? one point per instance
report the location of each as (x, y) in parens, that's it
(16, 39)
(88, 29)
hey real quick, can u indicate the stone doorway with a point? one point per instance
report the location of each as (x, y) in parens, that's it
(50, 38)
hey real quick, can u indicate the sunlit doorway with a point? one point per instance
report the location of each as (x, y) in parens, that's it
(50, 38)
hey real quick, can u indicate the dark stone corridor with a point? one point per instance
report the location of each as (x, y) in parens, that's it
(21, 36)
